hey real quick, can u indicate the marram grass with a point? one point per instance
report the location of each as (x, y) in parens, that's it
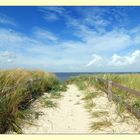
(130, 80)
(18, 88)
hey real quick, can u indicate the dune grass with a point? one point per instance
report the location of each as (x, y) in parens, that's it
(50, 104)
(90, 95)
(89, 105)
(18, 89)
(99, 114)
(130, 80)
(99, 125)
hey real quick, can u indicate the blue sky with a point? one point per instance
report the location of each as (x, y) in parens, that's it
(70, 39)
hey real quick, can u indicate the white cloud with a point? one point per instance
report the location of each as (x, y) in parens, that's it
(97, 60)
(101, 40)
(117, 60)
(113, 41)
(33, 51)
(96, 39)
(36, 50)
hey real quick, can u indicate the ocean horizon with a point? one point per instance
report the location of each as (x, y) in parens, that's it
(66, 75)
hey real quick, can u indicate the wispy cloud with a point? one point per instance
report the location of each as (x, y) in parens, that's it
(33, 50)
(52, 13)
(97, 19)
(10, 35)
(97, 60)
(45, 34)
(94, 17)
(6, 56)
(92, 40)
(6, 20)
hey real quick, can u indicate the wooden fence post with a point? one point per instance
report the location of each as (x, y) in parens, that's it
(110, 91)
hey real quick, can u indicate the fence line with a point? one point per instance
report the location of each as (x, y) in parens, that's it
(112, 96)
(122, 87)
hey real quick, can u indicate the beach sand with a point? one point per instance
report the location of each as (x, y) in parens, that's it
(71, 117)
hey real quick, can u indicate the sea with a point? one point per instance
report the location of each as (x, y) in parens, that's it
(63, 76)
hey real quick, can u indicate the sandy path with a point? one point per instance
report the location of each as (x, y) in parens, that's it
(69, 117)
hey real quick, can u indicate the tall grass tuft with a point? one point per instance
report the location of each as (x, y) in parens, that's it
(18, 88)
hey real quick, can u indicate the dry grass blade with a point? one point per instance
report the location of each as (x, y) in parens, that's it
(99, 125)
(99, 113)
